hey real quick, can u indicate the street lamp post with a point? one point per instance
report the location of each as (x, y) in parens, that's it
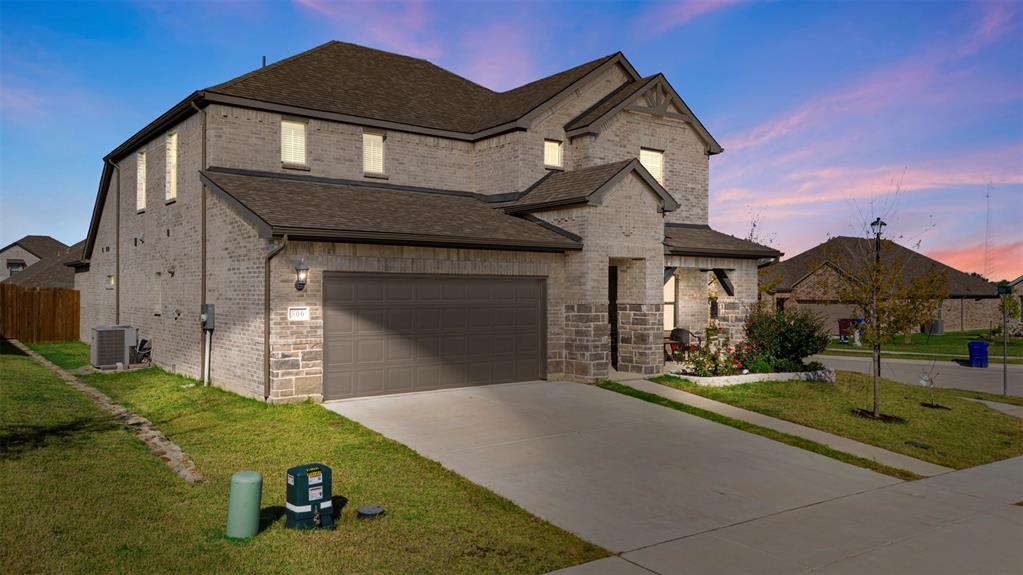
(877, 226)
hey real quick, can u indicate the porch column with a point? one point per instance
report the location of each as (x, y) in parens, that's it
(692, 307)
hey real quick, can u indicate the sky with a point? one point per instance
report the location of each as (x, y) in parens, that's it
(830, 113)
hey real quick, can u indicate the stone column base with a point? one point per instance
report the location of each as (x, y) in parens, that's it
(641, 335)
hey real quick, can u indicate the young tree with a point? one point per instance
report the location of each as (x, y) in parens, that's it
(892, 288)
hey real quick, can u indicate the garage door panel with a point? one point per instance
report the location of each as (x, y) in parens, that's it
(399, 333)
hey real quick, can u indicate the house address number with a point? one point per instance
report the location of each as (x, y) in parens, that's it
(298, 314)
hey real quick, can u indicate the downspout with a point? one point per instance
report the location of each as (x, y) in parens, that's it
(266, 316)
(117, 245)
(202, 240)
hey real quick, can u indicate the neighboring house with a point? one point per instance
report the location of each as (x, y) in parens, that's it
(452, 235)
(809, 279)
(51, 271)
(18, 256)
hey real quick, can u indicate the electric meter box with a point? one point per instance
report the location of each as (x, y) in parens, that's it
(309, 503)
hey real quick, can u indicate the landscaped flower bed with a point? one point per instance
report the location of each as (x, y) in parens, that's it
(774, 349)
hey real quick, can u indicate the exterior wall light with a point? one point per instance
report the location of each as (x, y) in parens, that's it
(301, 275)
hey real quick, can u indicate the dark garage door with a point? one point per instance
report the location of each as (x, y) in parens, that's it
(391, 333)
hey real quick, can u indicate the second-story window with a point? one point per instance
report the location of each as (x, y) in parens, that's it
(552, 154)
(293, 142)
(373, 153)
(653, 161)
(140, 180)
(170, 192)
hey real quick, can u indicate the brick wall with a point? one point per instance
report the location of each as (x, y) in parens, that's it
(251, 139)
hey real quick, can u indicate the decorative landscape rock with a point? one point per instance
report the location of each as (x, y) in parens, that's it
(168, 451)
(823, 375)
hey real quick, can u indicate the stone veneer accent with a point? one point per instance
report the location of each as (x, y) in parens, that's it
(587, 341)
(640, 333)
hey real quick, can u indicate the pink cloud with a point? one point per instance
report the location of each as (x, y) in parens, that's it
(499, 55)
(661, 17)
(397, 26)
(14, 99)
(1003, 261)
(919, 77)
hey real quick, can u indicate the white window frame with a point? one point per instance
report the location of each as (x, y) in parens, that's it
(140, 180)
(672, 302)
(293, 153)
(370, 140)
(170, 191)
(645, 157)
(553, 155)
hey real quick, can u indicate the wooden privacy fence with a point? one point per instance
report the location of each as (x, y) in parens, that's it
(38, 314)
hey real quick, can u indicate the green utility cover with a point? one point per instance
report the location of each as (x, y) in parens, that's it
(243, 504)
(309, 503)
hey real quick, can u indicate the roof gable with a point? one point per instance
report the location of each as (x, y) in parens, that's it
(651, 95)
(586, 186)
(41, 247)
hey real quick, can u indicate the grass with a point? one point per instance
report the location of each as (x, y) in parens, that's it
(965, 435)
(87, 497)
(68, 355)
(764, 431)
(953, 342)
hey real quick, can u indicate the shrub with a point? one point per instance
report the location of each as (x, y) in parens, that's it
(760, 366)
(785, 338)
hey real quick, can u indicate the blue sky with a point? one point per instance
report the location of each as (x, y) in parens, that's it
(823, 108)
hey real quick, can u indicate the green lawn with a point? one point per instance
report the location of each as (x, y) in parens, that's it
(953, 342)
(764, 431)
(87, 497)
(68, 355)
(966, 435)
(848, 351)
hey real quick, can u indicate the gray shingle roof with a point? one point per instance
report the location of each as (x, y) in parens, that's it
(559, 188)
(351, 211)
(606, 104)
(701, 240)
(354, 80)
(853, 252)
(50, 272)
(40, 246)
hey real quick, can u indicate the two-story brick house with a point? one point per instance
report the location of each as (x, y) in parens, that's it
(369, 223)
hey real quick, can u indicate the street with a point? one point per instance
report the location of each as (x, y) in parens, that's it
(946, 373)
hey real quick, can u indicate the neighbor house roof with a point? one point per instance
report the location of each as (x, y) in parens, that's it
(586, 185)
(851, 254)
(51, 271)
(40, 246)
(358, 81)
(701, 240)
(339, 210)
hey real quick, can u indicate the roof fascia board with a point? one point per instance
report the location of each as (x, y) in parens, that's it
(263, 229)
(354, 236)
(616, 59)
(556, 229)
(18, 243)
(175, 115)
(97, 209)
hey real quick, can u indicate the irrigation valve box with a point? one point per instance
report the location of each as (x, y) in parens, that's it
(309, 498)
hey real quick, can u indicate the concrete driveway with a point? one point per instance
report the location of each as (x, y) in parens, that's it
(617, 471)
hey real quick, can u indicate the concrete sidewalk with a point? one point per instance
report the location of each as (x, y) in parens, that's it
(883, 456)
(959, 522)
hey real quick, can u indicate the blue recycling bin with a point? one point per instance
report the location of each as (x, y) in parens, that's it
(978, 353)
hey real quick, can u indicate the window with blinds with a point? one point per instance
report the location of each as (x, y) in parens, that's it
(171, 182)
(293, 142)
(552, 153)
(140, 180)
(372, 153)
(653, 161)
(669, 303)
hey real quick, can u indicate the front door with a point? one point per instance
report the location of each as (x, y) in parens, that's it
(612, 311)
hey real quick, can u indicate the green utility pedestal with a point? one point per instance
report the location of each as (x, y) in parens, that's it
(243, 504)
(309, 504)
